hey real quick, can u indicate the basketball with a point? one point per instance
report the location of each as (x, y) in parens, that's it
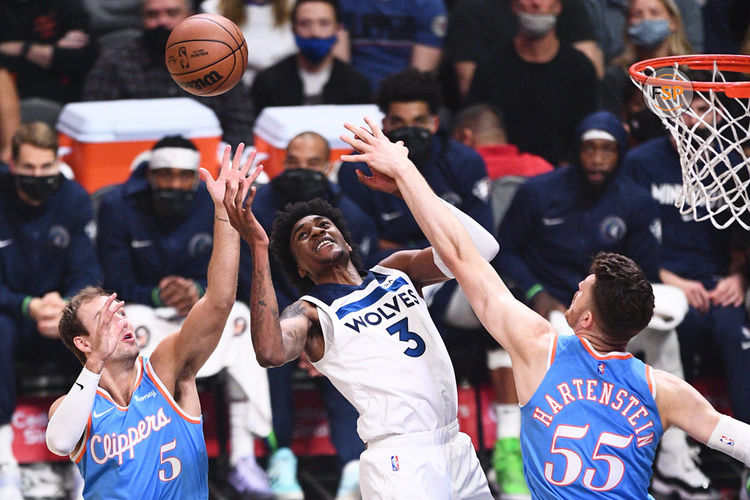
(206, 54)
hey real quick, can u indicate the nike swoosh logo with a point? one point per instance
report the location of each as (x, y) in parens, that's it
(552, 222)
(140, 243)
(79, 385)
(97, 415)
(389, 216)
(5, 243)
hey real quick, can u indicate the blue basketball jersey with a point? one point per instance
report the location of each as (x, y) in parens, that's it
(592, 426)
(149, 449)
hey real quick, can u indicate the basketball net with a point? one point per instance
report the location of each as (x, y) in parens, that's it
(709, 121)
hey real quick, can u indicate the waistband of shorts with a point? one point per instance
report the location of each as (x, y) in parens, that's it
(426, 438)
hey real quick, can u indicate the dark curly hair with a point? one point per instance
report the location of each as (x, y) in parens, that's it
(282, 229)
(623, 297)
(410, 85)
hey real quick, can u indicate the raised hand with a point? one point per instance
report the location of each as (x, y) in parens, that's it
(380, 154)
(232, 175)
(111, 326)
(241, 215)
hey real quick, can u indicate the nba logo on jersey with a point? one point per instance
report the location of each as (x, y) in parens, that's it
(394, 462)
(727, 440)
(600, 368)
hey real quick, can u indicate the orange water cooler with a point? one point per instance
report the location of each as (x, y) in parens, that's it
(99, 140)
(276, 126)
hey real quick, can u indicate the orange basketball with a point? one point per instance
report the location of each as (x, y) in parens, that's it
(206, 54)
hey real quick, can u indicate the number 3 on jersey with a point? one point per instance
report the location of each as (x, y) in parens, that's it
(404, 335)
(174, 464)
(574, 463)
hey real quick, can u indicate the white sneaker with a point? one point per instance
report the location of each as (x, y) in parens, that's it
(10, 482)
(681, 475)
(349, 482)
(249, 478)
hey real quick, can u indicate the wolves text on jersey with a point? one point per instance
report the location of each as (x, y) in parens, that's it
(623, 402)
(113, 445)
(386, 311)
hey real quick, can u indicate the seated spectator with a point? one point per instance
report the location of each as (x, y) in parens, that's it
(727, 26)
(481, 127)
(304, 177)
(548, 252)
(155, 238)
(47, 45)
(10, 115)
(610, 18)
(543, 86)
(477, 27)
(313, 75)
(46, 226)
(136, 70)
(654, 29)
(698, 259)
(387, 37)
(266, 26)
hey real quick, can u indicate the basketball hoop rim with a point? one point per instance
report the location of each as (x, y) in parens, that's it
(724, 62)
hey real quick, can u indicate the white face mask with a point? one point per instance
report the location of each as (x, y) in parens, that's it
(536, 25)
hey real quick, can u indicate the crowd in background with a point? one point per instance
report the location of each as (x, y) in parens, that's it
(519, 112)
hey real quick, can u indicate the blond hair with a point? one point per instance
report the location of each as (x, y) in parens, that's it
(37, 134)
(236, 12)
(677, 42)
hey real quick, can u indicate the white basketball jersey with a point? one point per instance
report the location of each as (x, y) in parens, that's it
(385, 355)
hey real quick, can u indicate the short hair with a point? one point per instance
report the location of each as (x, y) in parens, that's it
(174, 141)
(480, 116)
(37, 134)
(282, 229)
(71, 325)
(333, 3)
(623, 300)
(410, 85)
(313, 135)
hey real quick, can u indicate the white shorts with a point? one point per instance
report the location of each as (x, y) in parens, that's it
(434, 465)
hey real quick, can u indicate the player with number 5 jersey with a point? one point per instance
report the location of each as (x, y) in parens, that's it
(133, 425)
(370, 333)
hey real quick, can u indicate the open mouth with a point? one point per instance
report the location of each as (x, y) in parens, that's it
(322, 243)
(128, 337)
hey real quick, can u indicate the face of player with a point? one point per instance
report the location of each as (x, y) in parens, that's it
(581, 302)
(36, 173)
(88, 312)
(164, 13)
(598, 161)
(316, 243)
(315, 20)
(307, 152)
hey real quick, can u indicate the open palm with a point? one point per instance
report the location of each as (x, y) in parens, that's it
(233, 175)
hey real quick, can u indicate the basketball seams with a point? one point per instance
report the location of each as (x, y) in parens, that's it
(217, 61)
(200, 16)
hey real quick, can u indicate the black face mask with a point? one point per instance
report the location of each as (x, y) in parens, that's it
(300, 184)
(417, 140)
(172, 203)
(156, 40)
(38, 189)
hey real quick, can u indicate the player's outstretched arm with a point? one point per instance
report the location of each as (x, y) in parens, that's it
(522, 332)
(181, 355)
(681, 405)
(276, 340)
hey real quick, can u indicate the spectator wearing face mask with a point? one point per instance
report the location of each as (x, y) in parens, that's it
(135, 69)
(654, 29)
(46, 255)
(304, 177)
(313, 75)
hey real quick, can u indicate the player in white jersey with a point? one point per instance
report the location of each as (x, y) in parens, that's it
(371, 335)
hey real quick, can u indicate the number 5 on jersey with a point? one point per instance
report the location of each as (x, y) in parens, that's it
(175, 466)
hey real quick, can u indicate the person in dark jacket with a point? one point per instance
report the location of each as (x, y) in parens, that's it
(46, 255)
(313, 75)
(306, 166)
(155, 241)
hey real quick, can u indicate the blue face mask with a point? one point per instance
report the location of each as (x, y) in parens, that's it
(315, 49)
(648, 34)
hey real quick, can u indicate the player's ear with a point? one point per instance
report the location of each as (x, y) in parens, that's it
(586, 319)
(82, 343)
(301, 272)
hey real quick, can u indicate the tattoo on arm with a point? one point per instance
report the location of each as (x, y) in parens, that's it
(294, 309)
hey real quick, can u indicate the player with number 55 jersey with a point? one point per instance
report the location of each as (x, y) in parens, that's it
(133, 425)
(370, 333)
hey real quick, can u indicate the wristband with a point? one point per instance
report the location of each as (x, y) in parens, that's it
(155, 297)
(531, 292)
(25, 305)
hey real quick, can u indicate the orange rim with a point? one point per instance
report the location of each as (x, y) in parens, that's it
(723, 62)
